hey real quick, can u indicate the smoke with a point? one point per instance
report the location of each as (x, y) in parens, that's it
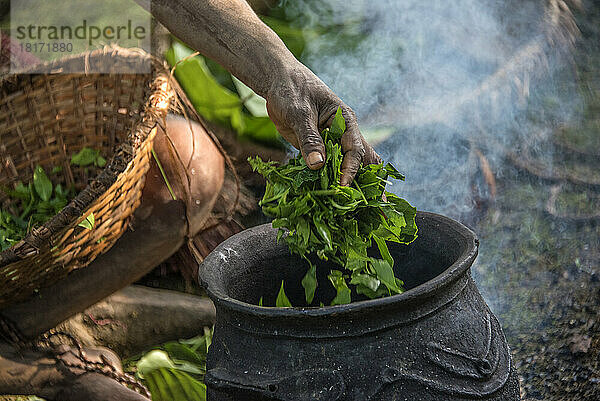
(445, 80)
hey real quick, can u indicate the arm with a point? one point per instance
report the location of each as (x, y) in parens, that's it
(298, 102)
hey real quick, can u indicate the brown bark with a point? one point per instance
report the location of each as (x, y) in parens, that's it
(136, 318)
(38, 373)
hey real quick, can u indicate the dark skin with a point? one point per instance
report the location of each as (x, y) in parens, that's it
(298, 102)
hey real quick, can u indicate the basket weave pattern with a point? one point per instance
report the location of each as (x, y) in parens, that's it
(44, 120)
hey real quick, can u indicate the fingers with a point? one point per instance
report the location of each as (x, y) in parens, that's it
(353, 148)
(311, 143)
(371, 157)
(298, 125)
(282, 127)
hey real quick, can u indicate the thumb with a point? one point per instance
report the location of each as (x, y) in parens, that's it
(311, 144)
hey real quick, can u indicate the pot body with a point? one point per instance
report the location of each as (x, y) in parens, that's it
(437, 341)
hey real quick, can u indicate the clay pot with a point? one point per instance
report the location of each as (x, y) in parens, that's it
(437, 341)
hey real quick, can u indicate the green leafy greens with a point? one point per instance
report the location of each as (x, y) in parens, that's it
(175, 371)
(87, 157)
(316, 215)
(33, 204)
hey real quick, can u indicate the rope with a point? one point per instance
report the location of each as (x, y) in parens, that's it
(10, 333)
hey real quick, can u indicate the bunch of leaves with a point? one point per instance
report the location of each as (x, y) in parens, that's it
(87, 157)
(316, 215)
(32, 205)
(175, 371)
(35, 203)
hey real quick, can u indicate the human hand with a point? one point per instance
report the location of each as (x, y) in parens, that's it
(301, 106)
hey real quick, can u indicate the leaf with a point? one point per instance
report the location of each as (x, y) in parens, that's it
(383, 250)
(100, 161)
(260, 130)
(85, 157)
(357, 258)
(370, 185)
(293, 37)
(158, 386)
(194, 389)
(212, 100)
(200, 343)
(171, 384)
(305, 176)
(309, 282)
(366, 280)
(42, 184)
(392, 172)
(323, 231)
(362, 289)
(282, 300)
(343, 292)
(385, 274)
(317, 216)
(88, 222)
(208, 336)
(256, 104)
(153, 360)
(182, 352)
(338, 125)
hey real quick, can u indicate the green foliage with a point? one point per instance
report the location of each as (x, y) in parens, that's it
(320, 23)
(282, 300)
(88, 157)
(32, 205)
(293, 37)
(175, 371)
(169, 384)
(316, 215)
(88, 222)
(42, 184)
(218, 103)
(339, 283)
(37, 202)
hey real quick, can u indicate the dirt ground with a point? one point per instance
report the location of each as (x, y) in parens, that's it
(539, 267)
(541, 277)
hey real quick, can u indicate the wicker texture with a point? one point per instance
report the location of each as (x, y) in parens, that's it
(44, 120)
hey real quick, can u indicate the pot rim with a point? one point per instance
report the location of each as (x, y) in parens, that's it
(457, 270)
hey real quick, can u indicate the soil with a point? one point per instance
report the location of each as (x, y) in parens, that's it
(541, 273)
(541, 276)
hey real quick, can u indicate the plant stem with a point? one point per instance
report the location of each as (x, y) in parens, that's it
(164, 176)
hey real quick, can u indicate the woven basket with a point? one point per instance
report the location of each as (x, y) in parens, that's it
(44, 120)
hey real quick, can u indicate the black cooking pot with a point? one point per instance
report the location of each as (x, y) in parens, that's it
(437, 341)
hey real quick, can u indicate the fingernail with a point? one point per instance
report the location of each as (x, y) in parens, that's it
(314, 158)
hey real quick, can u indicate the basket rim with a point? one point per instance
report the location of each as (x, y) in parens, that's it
(124, 153)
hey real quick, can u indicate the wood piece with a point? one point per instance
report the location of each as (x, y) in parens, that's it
(37, 373)
(137, 318)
